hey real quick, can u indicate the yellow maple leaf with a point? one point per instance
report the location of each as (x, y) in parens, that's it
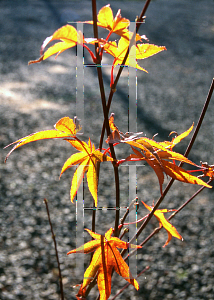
(106, 258)
(64, 128)
(159, 214)
(68, 36)
(87, 160)
(138, 51)
(116, 24)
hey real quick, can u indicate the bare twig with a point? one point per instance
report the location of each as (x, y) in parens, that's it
(125, 286)
(156, 230)
(188, 201)
(201, 118)
(56, 252)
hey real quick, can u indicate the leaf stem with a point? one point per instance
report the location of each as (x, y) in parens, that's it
(91, 53)
(56, 252)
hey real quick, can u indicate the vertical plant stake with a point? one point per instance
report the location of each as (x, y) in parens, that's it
(130, 48)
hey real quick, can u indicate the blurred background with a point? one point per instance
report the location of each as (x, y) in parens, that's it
(169, 98)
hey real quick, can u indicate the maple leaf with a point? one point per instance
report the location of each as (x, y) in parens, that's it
(105, 258)
(87, 160)
(177, 139)
(64, 128)
(138, 51)
(116, 25)
(156, 154)
(180, 174)
(159, 214)
(69, 38)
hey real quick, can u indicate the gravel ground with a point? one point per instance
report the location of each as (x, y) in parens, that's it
(170, 97)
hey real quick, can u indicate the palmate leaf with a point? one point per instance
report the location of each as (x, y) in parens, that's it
(157, 155)
(180, 174)
(116, 25)
(105, 259)
(64, 128)
(69, 38)
(157, 158)
(87, 159)
(159, 214)
(140, 51)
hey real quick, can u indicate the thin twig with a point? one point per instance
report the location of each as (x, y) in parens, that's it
(201, 118)
(125, 286)
(156, 230)
(56, 252)
(188, 201)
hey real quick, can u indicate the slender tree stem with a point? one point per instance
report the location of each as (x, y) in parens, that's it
(105, 113)
(201, 118)
(56, 252)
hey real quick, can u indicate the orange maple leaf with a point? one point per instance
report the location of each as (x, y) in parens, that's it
(105, 259)
(177, 139)
(116, 25)
(156, 154)
(87, 160)
(159, 214)
(69, 38)
(138, 51)
(64, 128)
(157, 157)
(180, 174)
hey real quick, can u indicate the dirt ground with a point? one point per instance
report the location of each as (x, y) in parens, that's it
(169, 98)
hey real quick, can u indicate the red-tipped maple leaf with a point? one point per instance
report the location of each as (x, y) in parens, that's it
(159, 214)
(87, 160)
(105, 259)
(64, 128)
